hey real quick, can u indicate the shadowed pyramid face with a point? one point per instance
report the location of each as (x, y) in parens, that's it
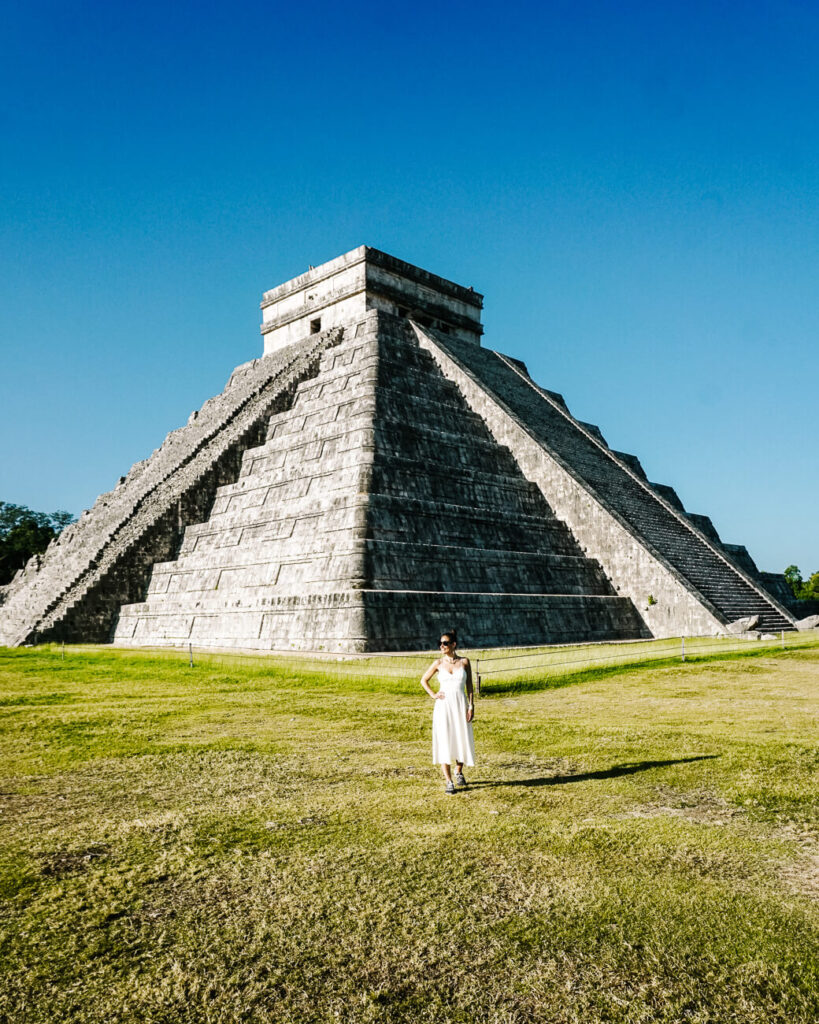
(378, 507)
(376, 476)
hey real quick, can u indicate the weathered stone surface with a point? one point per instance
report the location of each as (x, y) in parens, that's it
(345, 289)
(378, 508)
(743, 625)
(106, 558)
(632, 462)
(645, 544)
(776, 584)
(706, 527)
(670, 495)
(361, 487)
(742, 557)
(810, 622)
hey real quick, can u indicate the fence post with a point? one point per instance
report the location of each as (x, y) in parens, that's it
(783, 639)
(477, 677)
(190, 655)
(682, 650)
(63, 650)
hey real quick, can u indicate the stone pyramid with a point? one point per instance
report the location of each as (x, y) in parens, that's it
(375, 477)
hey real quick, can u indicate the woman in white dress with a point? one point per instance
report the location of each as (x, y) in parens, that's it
(452, 741)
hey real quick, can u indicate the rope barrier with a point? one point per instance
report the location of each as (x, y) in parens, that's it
(485, 666)
(686, 647)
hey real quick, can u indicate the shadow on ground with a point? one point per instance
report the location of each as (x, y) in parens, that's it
(630, 768)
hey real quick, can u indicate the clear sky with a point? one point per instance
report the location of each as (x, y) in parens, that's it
(634, 187)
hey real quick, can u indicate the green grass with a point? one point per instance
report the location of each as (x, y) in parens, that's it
(265, 840)
(502, 671)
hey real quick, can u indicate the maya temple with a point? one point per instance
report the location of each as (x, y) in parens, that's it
(379, 474)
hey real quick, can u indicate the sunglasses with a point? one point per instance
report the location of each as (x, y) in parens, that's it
(447, 643)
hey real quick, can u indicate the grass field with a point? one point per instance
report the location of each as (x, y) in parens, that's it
(266, 841)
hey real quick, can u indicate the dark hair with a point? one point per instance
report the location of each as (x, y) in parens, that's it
(453, 636)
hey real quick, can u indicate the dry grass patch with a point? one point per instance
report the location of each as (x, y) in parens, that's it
(203, 846)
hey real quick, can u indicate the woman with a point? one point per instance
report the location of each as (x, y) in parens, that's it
(452, 739)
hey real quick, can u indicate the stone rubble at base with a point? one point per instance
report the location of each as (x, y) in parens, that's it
(375, 477)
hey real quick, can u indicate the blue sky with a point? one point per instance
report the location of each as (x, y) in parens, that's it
(634, 187)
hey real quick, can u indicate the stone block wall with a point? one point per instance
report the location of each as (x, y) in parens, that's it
(377, 505)
(647, 547)
(341, 292)
(104, 559)
(279, 560)
(367, 486)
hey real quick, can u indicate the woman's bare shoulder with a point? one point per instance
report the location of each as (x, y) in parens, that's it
(430, 672)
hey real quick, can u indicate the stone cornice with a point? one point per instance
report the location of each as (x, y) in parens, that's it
(309, 307)
(424, 277)
(414, 304)
(375, 257)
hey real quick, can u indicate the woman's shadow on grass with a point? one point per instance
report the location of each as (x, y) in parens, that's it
(629, 768)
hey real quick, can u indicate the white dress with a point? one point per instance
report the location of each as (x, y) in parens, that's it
(451, 733)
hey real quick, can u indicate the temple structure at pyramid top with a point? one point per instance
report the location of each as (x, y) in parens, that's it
(344, 289)
(376, 476)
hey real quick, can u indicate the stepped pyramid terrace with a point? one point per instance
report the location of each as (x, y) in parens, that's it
(379, 474)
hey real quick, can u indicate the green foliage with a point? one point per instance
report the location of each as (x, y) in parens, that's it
(803, 590)
(24, 533)
(794, 579)
(810, 591)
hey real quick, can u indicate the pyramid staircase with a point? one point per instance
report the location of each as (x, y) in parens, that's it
(649, 517)
(363, 486)
(75, 589)
(378, 509)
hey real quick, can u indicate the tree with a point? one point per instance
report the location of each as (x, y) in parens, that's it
(810, 589)
(794, 578)
(24, 533)
(803, 590)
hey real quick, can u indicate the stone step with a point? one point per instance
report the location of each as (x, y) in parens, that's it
(637, 504)
(411, 621)
(367, 400)
(398, 517)
(385, 566)
(109, 535)
(296, 480)
(328, 514)
(403, 566)
(487, 490)
(430, 445)
(222, 586)
(390, 433)
(395, 515)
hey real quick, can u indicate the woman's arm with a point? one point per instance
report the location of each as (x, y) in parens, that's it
(470, 696)
(425, 678)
